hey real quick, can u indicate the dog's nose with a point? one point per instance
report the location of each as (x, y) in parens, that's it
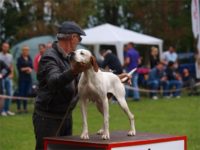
(71, 56)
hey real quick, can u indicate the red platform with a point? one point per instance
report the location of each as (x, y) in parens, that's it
(119, 141)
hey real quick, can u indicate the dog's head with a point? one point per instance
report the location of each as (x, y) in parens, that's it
(84, 56)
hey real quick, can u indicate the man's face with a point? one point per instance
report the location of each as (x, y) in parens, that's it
(75, 40)
(171, 49)
(160, 67)
(42, 49)
(5, 47)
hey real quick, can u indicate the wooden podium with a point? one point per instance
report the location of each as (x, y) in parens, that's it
(119, 141)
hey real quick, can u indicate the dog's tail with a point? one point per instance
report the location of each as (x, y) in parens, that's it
(130, 73)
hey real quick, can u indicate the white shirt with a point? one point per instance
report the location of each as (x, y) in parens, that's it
(6, 58)
(168, 56)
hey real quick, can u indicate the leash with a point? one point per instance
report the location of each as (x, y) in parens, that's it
(71, 105)
(63, 119)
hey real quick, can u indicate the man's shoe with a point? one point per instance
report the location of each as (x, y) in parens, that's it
(3, 113)
(178, 97)
(154, 97)
(10, 113)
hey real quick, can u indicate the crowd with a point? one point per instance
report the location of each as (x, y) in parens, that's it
(162, 74)
(57, 93)
(25, 65)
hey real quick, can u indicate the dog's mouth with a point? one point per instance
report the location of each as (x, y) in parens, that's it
(71, 57)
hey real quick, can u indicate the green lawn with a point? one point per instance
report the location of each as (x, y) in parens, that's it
(173, 116)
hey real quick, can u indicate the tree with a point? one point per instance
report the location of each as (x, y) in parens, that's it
(166, 19)
(30, 21)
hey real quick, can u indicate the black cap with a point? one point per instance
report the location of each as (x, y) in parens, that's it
(68, 27)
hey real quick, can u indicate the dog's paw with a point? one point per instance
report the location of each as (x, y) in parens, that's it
(84, 136)
(131, 133)
(105, 136)
(100, 132)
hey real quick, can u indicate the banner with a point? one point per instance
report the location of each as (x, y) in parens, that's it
(196, 32)
(195, 18)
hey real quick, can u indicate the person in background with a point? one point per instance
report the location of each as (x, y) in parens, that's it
(170, 56)
(131, 60)
(154, 57)
(3, 75)
(24, 67)
(7, 58)
(42, 49)
(111, 61)
(175, 80)
(49, 45)
(157, 79)
(189, 82)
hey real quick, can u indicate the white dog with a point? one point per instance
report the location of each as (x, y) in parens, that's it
(94, 85)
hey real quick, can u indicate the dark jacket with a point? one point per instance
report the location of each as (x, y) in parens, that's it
(3, 66)
(21, 62)
(113, 63)
(171, 74)
(57, 89)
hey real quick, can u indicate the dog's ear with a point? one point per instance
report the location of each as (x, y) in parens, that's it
(94, 63)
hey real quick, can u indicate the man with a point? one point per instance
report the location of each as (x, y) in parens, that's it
(131, 61)
(169, 55)
(157, 79)
(57, 91)
(111, 61)
(189, 82)
(7, 58)
(3, 67)
(174, 79)
(57, 85)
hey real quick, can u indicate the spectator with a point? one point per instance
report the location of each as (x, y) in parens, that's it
(170, 55)
(131, 61)
(111, 61)
(189, 82)
(156, 80)
(49, 45)
(24, 67)
(42, 49)
(3, 75)
(154, 57)
(174, 79)
(7, 58)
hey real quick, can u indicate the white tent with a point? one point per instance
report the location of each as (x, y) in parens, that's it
(108, 34)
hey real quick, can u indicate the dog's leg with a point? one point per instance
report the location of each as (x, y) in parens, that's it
(100, 109)
(84, 134)
(106, 134)
(124, 106)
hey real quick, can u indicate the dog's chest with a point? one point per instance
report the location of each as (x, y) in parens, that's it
(90, 89)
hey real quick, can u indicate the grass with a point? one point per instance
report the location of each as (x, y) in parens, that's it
(173, 116)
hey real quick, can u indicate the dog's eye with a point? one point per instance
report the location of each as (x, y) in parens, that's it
(82, 53)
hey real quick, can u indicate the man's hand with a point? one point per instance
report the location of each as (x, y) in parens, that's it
(125, 76)
(79, 67)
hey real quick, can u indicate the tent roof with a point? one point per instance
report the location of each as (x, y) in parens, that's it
(110, 34)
